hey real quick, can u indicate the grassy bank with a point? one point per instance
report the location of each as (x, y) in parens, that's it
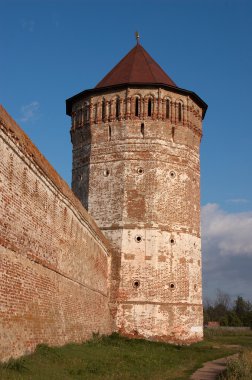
(116, 357)
(239, 368)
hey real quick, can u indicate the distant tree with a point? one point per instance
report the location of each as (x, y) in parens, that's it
(221, 305)
(222, 299)
(248, 321)
(224, 321)
(243, 309)
(208, 310)
(233, 319)
(242, 306)
(221, 310)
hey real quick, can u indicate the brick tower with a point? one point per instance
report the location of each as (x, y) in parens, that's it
(136, 169)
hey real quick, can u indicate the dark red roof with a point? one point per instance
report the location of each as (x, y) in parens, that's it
(136, 67)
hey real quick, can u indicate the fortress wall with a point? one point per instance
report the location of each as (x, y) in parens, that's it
(53, 258)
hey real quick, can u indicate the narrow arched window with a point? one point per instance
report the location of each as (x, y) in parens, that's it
(79, 116)
(86, 112)
(137, 107)
(149, 107)
(117, 108)
(142, 130)
(95, 112)
(179, 112)
(103, 110)
(173, 133)
(167, 109)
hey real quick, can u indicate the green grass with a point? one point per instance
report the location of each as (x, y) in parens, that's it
(239, 368)
(115, 357)
(230, 337)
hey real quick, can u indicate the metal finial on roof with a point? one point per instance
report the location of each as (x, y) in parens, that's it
(137, 37)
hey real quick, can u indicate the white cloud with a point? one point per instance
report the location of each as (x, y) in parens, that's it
(226, 251)
(230, 233)
(29, 112)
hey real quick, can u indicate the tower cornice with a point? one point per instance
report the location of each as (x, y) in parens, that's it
(109, 89)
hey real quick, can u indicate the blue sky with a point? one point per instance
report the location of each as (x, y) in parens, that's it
(52, 50)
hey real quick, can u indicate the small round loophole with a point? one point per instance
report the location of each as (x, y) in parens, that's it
(106, 173)
(136, 284)
(140, 170)
(172, 241)
(138, 238)
(172, 285)
(172, 174)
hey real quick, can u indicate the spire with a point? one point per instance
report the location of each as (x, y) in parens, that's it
(137, 38)
(137, 67)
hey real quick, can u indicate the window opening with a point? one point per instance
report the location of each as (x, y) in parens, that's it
(173, 132)
(103, 110)
(172, 174)
(172, 241)
(106, 173)
(142, 129)
(136, 284)
(117, 107)
(149, 107)
(167, 112)
(95, 112)
(140, 170)
(137, 107)
(87, 112)
(179, 112)
(138, 238)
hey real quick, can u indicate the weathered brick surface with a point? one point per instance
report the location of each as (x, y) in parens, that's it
(53, 259)
(139, 177)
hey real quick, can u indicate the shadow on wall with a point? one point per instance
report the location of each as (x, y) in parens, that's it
(81, 139)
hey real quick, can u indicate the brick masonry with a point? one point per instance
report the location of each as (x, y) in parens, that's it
(132, 262)
(53, 258)
(138, 174)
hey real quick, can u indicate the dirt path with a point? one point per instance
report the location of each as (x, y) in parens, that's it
(211, 370)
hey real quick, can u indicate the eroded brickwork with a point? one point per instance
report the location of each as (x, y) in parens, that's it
(136, 169)
(53, 258)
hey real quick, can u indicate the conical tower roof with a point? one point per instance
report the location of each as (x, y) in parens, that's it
(137, 67)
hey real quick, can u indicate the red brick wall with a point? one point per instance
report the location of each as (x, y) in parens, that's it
(139, 176)
(53, 258)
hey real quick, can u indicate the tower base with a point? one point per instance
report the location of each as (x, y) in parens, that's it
(171, 323)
